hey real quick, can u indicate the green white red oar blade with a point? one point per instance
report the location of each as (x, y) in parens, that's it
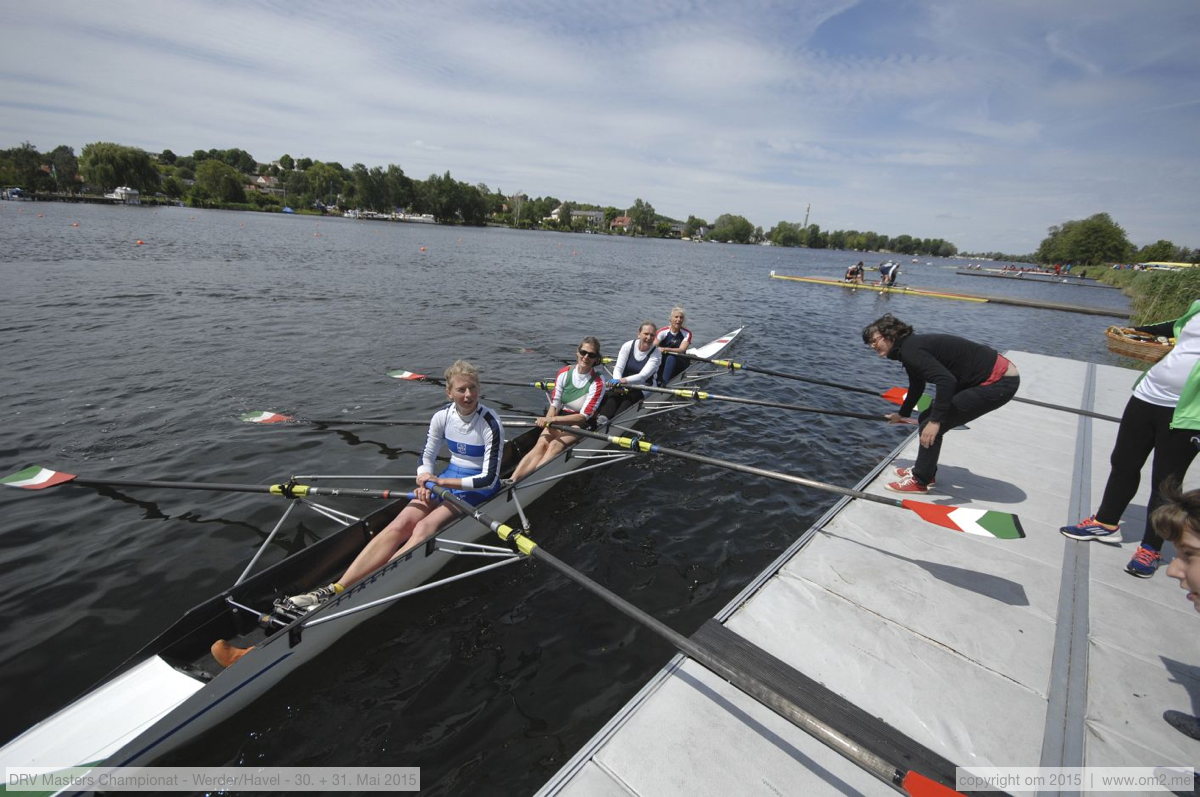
(408, 375)
(265, 416)
(896, 395)
(982, 522)
(36, 477)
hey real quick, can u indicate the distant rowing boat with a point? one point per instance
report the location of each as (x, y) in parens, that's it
(962, 297)
(1126, 341)
(882, 288)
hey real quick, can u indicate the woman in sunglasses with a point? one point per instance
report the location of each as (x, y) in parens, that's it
(578, 391)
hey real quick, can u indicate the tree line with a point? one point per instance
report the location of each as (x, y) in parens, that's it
(219, 178)
(1097, 240)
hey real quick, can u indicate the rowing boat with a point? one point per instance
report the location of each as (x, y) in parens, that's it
(1129, 342)
(881, 288)
(172, 689)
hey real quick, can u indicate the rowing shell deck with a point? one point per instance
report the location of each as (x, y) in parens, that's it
(952, 650)
(962, 297)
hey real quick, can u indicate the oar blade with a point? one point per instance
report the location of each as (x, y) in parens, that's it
(897, 395)
(36, 477)
(917, 785)
(407, 375)
(981, 522)
(265, 416)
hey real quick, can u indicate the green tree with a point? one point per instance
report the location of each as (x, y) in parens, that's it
(564, 216)
(1091, 241)
(642, 215)
(1160, 251)
(64, 169)
(786, 234)
(109, 165)
(693, 225)
(218, 182)
(736, 229)
(286, 163)
(168, 157)
(304, 164)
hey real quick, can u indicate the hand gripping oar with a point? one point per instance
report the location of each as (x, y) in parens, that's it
(39, 478)
(906, 780)
(982, 522)
(700, 395)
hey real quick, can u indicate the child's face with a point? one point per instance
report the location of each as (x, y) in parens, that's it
(1186, 565)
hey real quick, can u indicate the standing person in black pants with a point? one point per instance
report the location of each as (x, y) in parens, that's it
(970, 379)
(1162, 417)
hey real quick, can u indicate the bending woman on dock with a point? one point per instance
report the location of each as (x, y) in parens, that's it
(970, 379)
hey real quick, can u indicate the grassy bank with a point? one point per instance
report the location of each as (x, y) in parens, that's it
(1156, 295)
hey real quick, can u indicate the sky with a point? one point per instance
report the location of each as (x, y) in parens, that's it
(982, 122)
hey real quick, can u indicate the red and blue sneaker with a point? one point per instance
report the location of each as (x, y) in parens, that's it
(1091, 529)
(1144, 562)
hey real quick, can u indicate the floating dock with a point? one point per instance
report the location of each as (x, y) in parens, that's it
(966, 297)
(944, 650)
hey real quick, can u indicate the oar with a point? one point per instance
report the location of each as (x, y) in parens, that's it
(266, 416)
(731, 365)
(36, 477)
(896, 396)
(982, 522)
(700, 395)
(411, 376)
(907, 780)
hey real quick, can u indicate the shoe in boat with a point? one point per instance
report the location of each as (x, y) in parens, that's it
(226, 654)
(1091, 529)
(1144, 562)
(904, 473)
(308, 601)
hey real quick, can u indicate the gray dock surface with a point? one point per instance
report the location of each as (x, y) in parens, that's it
(1034, 652)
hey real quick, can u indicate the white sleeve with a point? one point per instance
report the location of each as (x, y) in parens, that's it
(622, 360)
(433, 442)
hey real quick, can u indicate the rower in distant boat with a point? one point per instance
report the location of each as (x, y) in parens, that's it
(637, 364)
(888, 272)
(855, 273)
(578, 390)
(475, 437)
(673, 340)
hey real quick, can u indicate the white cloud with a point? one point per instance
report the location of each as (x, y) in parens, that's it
(983, 123)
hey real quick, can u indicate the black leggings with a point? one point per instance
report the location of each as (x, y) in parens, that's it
(1145, 427)
(966, 406)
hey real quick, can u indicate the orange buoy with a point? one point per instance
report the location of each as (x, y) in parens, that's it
(74, 224)
(422, 249)
(140, 242)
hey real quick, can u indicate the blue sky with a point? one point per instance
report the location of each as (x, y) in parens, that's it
(978, 121)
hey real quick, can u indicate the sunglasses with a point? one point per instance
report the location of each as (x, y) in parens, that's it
(591, 355)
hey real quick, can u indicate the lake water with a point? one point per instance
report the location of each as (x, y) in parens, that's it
(134, 361)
